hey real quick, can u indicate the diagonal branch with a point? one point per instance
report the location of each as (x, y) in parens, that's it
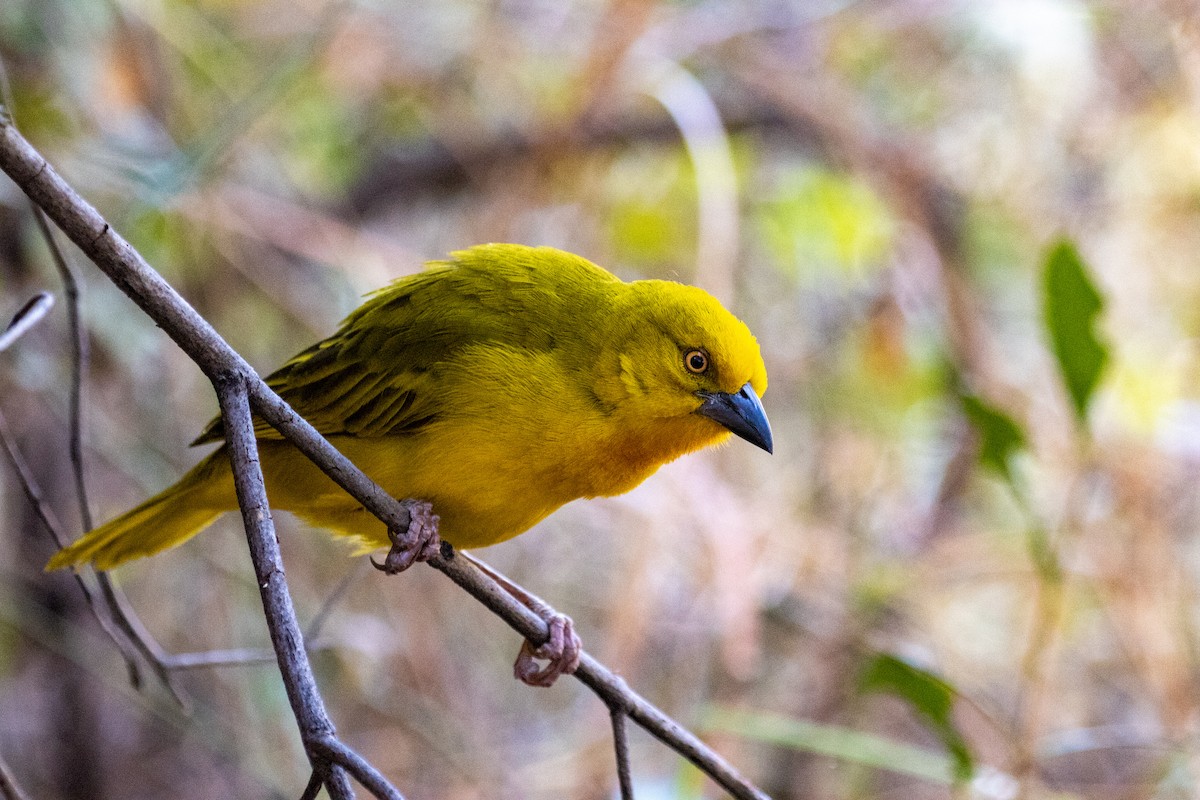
(130, 272)
(338, 753)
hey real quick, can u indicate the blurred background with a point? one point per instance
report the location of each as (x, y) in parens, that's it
(954, 578)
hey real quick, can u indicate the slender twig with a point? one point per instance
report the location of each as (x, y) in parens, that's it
(29, 315)
(143, 641)
(29, 484)
(525, 597)
(130, 272)
(165, 663)
(49, 520)
(218, 658)
(9, 788)
(337, 783)
(621, 747)
(78, 340)
(79, 358)
(126, 620)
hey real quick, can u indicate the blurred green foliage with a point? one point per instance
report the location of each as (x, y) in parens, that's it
(651, 202)
(929, 696)
(839, 742)
(821, 225)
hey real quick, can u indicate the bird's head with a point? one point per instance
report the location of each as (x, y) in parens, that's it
(681, 356)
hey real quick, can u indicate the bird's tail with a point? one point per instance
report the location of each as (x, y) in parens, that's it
(168, 519)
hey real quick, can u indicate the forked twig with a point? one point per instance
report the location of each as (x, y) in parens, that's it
(78, 364)
(372, 779)
(610, 687)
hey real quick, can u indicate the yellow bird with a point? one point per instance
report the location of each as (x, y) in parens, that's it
(497, 385)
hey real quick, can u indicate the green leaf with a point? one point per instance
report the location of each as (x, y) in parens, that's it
(1071, 305)
(1000, 436)
(835, 741)
(929, 696)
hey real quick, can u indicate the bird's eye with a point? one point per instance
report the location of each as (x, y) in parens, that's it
(696, 361)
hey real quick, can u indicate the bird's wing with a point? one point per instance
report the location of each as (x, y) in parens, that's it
(374, 377)
(379, 374)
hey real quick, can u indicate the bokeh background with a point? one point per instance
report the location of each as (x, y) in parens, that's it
(904, 601)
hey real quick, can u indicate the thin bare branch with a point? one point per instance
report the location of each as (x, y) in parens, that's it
(121, 612)
(607, 685)
(78, 339)
(79, 355)
(218, 658)
(30, 314)
(237, 657)
(337, 783)
(130, 624)
(164, 663)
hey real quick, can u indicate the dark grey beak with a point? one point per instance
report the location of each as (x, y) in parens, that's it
(741, 413)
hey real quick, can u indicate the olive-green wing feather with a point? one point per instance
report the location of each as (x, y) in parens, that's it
(378, 374)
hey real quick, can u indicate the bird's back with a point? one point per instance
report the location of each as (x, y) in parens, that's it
(380, 373)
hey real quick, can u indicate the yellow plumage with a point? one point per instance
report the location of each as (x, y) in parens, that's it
(498, 386)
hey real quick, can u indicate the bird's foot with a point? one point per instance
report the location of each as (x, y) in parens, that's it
(561, 651)
(418, 542)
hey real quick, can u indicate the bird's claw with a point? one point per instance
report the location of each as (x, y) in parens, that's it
(419, 542)
(561, 651)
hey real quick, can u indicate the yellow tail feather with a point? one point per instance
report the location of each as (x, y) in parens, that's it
(168, 519)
